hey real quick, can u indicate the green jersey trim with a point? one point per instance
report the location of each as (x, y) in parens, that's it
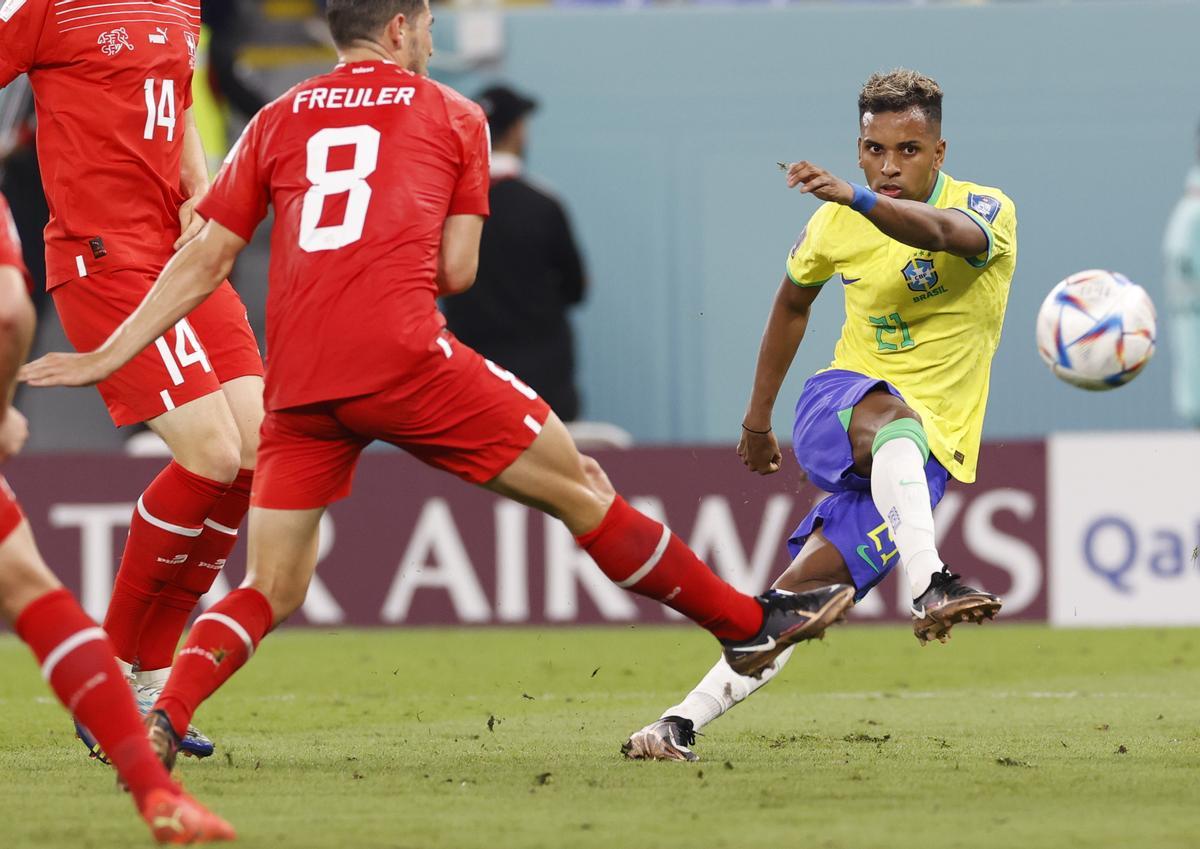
(938, 187)
(984, 258)
(812, 285)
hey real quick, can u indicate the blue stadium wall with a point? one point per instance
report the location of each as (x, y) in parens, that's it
(661, 129)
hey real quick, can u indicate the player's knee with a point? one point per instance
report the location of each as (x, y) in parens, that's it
(217, 457)
(23, 580)
(284, 595)
(863, 438)
(596, 478)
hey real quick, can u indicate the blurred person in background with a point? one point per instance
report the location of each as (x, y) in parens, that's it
(530, 271)
(218, 86)
(1181, 248)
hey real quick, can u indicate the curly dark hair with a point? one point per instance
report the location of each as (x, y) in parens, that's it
(900, 90)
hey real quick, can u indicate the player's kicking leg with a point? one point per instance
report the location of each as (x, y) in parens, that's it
(645, 557)
(890, 447)
(818, 566)
(638, 553)
(77, 662)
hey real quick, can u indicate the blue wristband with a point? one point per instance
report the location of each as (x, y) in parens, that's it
(864, 199)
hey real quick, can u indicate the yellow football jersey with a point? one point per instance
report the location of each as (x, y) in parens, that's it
(927, 323)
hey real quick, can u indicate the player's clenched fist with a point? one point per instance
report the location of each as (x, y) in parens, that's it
(759, 451)
(65, 370)
(818, 182)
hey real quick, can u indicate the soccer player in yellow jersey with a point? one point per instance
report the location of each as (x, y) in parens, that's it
(924, 262)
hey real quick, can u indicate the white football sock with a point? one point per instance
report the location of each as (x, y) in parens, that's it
(901, 494)
(155, 678)
(721, 689)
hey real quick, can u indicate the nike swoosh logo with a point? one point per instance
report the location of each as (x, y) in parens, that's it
(862, 552)
(846, 281)
(918, 612)
(767, 646)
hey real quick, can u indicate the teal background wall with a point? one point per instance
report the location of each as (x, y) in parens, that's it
(660, 128)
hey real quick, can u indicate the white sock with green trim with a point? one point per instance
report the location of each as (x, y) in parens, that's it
(901, 494)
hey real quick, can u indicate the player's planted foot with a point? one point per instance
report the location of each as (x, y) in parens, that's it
(789, 618)
(193, 744)
(175, 817)
(163, 738)
(947, 602)
(669, 739)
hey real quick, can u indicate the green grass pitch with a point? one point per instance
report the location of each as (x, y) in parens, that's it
(1013, 736)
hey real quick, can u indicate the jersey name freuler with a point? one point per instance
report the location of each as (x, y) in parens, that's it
(352, 98)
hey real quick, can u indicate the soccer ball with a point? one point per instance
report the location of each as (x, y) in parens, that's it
(1096, 329)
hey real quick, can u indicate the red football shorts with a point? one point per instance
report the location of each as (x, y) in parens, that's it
(211, 346)
(10, 511)
(453, 410)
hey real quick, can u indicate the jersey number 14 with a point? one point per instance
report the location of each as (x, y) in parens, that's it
(351, 182)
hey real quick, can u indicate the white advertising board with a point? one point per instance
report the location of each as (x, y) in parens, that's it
(1124, 527)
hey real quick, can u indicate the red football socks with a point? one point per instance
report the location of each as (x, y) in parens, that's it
(643, 556)
(219, 644)
(77, 660)
(166, 523)
(178, 598)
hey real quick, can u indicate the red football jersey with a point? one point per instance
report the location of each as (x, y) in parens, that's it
(111, 82)
(362, 166)
(10, 242)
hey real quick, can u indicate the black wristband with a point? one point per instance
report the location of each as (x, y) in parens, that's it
(756, 432)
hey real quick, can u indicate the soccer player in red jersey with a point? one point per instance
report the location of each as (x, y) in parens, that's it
(379, 179)
(75, 655)
(123, 169)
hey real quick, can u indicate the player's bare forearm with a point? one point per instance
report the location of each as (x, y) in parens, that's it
(17, 323)
(193, 165)
(458, 258)
(190, 277)
(193, 181)
(926, 227)
(781, 338)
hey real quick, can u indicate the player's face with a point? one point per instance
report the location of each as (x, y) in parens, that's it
(901, 153)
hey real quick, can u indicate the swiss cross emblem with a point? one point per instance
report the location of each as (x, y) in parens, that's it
(920, 274)
(112, 41)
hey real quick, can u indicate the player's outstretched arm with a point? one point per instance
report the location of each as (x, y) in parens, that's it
(190, 277)
(758, 447)
(919, 225)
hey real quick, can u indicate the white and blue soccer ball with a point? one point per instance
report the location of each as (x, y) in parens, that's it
(1096, 329)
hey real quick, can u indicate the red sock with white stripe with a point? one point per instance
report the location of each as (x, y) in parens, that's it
(220, 643)
(644, 557)
(77, 661)
(178, 598)
(166, 523)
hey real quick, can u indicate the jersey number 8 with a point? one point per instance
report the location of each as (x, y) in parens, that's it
(351, 181)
